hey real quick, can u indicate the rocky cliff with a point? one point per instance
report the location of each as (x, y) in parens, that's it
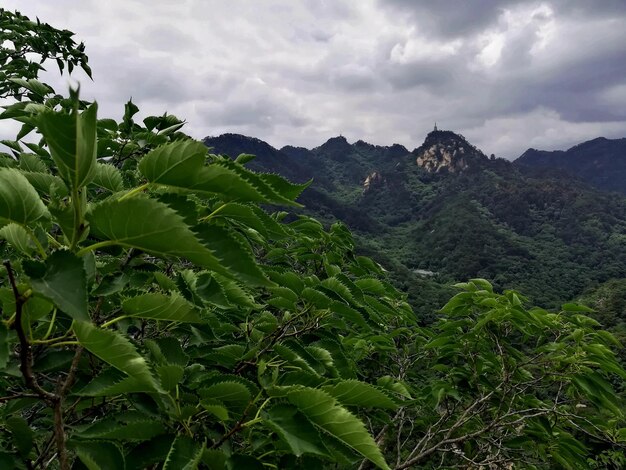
(445, 151)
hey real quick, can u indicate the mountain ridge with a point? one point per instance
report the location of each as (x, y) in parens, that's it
(521, 226)
(600, 162)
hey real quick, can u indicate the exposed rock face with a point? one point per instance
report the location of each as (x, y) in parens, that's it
(373, 180)
(446, 151)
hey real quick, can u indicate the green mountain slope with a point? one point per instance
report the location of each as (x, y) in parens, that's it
(446, 212)
(600, 162)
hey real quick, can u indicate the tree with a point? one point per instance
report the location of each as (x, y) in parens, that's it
(156, 313)
(503, 385)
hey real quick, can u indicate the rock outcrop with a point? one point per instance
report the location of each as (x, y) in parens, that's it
(445, 151)
(373, 180)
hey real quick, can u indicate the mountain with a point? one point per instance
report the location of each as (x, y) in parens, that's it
(446, 212)
(599, 162)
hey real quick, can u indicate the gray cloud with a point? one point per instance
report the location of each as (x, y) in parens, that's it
(508, 74)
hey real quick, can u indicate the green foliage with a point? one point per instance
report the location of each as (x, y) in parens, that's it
(153, 314)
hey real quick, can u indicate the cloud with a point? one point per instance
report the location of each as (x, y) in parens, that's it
(379, 70)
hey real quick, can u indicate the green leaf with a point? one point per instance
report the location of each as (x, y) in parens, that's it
(233, 252)
(18, 237)
(72, 142)
(150, 226)
(181, 164)
(108, 177)
(169, 349)
(21, 433)
(353, 392)
(232, 393)
(216, 408)
(46, 184)
(30, 162)
(170, 375)
(62, 280)
(126, 426)
(324, 412)
(294, 429)
(19, 201)
(114, 349)
(283, 187)
(148, 453)
(99, 455)
(185, 454)
(4, 345)
(161, 307)
(112, 382)
(576, 308)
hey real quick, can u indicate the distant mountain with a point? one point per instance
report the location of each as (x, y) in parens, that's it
(446, 212)
(600, 162)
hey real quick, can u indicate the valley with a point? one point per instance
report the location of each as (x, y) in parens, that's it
(448, 209)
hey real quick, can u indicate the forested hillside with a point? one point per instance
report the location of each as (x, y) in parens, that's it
(599, 162)
(457, 215)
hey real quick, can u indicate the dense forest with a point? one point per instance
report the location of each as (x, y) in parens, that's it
(545, 233)
(167, 306)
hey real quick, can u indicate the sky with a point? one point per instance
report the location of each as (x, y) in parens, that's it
(506, 74)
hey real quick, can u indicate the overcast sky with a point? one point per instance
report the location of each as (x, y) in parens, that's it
(506, 74)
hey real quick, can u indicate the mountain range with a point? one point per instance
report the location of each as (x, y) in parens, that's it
(544, 224)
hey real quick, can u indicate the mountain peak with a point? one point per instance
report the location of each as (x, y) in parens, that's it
(335, 147)
(446, 151)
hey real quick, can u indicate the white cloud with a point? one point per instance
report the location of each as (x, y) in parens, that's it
(379, 70)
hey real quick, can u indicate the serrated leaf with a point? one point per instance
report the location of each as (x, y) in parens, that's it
(99, 455)
(170, 350)
(294, 358)
(123, 426)
(71, 139)
(324, 413)
(284, 187)
(233, 252)
(356, 393)
(18, 237)
(114, 349)
(19, 201)
(243, 214)
(32, 163)
(229, 392)
(112, 382)
(216, 408)
(349, 313)
(185, 454)
(170, 375)
(161, 307)
(181, 164)
(150, 226)
(45, 183)
(62, 280)
(108, 177)
(294, 429)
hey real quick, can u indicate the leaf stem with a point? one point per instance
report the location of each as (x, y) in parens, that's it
(95, 246)
(132, 192)
(78, 223)
(212, 214)
(54, 316)
(114, 320)
(34, 239)
(67, 343)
